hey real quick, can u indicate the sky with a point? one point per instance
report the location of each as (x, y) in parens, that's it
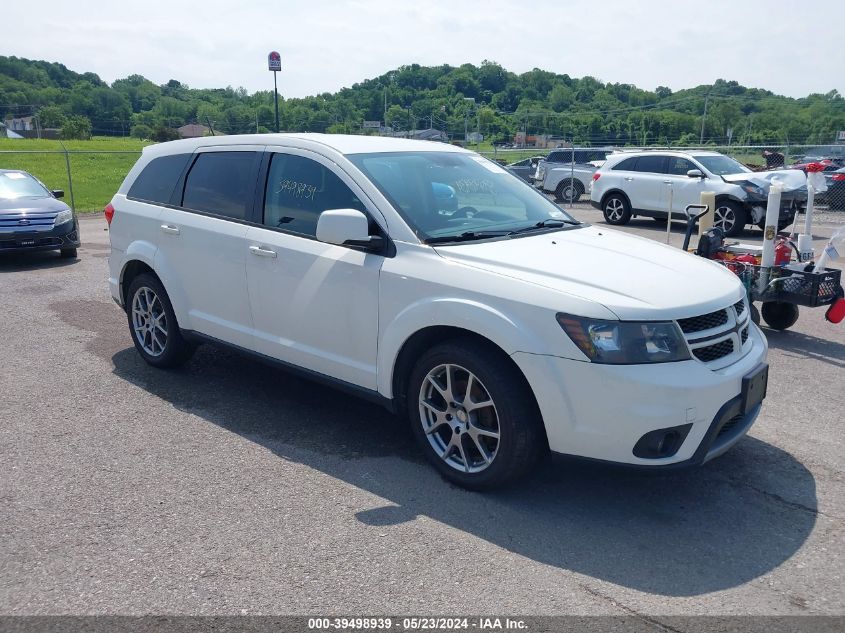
(787, 47)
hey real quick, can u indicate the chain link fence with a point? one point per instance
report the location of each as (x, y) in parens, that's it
(89, 178)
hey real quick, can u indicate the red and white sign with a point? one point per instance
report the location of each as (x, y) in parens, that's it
(274, 61)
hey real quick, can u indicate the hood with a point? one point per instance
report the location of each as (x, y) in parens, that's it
(791, 179)
(31, 205)
(635, 278)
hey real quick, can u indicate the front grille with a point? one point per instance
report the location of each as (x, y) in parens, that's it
(739, 306)
(703, 322)
(730, 424)
(714, 352)
(744, 335)
(31, 220)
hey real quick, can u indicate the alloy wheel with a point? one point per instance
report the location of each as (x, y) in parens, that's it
(149, 321)
(459, 418)
(724, 218)
(615, 209)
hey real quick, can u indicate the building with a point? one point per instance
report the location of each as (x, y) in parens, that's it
(193, 130)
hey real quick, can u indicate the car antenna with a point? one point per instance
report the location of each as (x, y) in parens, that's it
(210, 127)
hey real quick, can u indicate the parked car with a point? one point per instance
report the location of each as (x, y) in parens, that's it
(496, 328)
(632, 184)
(32, 218)
(835, 194)
(835, 153)
(585, 156)
(526, 168)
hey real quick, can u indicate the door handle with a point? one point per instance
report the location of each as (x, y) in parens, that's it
(262, 252)
(629, 178)
(667, 182)
(168, 228)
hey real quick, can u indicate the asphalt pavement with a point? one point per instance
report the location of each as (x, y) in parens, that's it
(229, 487)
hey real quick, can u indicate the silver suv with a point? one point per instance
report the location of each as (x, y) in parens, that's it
(632, 184)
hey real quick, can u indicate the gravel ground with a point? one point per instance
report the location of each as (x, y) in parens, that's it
(228, 487)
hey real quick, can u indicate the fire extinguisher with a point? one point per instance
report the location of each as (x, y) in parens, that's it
(783, 252)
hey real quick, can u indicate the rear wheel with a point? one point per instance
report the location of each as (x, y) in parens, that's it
(568, 191)
(153, 325)
(779, 315)
(474, 415)
(730, 217)
(616, 209)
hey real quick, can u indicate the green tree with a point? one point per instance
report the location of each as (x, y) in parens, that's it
(76, 126)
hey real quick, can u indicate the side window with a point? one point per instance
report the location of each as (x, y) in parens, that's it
(221, 183)
(157, 180)
(629, 164)
(651, 164)
(678, 166)
(299, 190)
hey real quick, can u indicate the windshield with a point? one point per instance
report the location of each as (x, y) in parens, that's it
(443, 194)
(721, 165)
(15, 184)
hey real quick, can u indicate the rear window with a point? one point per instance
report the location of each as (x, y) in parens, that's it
(629, 164)
(651, 164)
(222, 183)
(158, 179)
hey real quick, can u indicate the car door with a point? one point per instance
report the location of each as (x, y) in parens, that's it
(685, 190)
(648, 184)
(201, 251)
(314, 305)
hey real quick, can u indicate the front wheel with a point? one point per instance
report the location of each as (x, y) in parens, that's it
(153, 326)
(616, 210)
(474, 415)
(68, 253)
(730, 217)
(780, 315)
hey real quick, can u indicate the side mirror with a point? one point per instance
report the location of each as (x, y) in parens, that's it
(58, 193)
(347, 227)
(695, 173)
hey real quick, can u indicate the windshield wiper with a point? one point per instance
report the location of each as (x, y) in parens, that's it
(466, 236)
(545, 224)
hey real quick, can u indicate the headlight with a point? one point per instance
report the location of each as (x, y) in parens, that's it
(64, 216)
(625, 342)
(754, 190)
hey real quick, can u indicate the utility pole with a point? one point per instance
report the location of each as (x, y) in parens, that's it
(704, 118)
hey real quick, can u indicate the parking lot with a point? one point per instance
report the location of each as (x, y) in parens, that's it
(230, 487)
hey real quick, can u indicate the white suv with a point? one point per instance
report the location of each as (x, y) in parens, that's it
(502, 329)
(631, 184)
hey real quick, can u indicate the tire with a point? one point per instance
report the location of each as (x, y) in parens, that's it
(730, 217)
(616, 209)
(565, 191)
(68, 253)
(779, 315)
(755, 315)
(511, 439)
(153, 326)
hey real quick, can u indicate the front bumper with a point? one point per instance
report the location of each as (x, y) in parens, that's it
(602, 411)
(65, 235)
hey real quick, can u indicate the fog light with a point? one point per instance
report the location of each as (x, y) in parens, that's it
(661, 442)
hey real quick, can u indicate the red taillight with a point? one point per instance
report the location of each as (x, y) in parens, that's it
(109, 211)
(596, 176)
(838, 177)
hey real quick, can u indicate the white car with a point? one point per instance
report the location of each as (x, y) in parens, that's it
(631, 184)
(503, 329)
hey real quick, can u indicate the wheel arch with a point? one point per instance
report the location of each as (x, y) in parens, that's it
(610, 192)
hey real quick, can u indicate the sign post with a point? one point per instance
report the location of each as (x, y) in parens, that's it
(274, 63)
